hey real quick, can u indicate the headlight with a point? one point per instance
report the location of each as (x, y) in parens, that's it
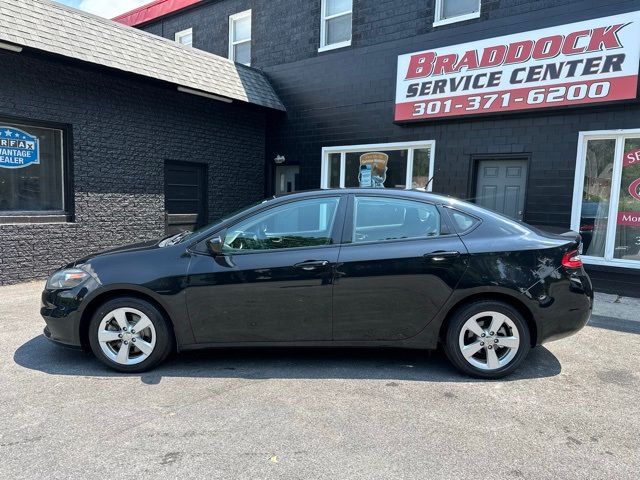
(67, 279)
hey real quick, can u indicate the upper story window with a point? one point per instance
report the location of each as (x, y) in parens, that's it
(185, 37)
(451, 11)
(335, 29)
(240, 37)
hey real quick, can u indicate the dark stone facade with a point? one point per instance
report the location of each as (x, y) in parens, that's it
(123, 130)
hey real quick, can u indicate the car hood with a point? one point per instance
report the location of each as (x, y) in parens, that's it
(135, 247)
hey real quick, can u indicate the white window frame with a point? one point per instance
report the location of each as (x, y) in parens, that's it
(183, 33)
(382, 147)
(576, 208)
(232, 43)
(323, 28)
(439, 21)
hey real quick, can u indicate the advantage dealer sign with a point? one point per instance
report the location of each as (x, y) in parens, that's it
(575, 64)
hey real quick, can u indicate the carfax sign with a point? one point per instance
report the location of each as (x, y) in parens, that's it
(580, 63)
(18, 149)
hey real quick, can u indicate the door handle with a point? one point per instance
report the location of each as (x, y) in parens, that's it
(441, 255)
(312, 265)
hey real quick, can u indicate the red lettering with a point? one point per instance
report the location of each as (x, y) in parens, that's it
(571, 41)
(548, 47)
(606, 37)
(421, 65)
(519, 52)
(444, 64)
(469, 60)
(493, 56)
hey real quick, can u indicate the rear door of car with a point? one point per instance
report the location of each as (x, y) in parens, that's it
(399, 263)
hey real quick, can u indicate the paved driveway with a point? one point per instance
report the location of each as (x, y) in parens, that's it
(571, 412)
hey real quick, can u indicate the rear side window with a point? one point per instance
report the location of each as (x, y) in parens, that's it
(462, 221)
(379, 219)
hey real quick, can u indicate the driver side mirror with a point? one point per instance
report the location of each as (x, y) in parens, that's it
(215, 245)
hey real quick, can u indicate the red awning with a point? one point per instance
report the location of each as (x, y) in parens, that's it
(152, 11)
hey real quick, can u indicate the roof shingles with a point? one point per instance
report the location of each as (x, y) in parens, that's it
(57, 29)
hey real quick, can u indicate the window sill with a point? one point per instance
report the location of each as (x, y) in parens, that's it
(460, 18)
(620, 263)
(33, 219)
(334, 46)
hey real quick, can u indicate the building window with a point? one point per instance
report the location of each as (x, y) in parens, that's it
(451, 11)
(335, 28)
(606, 198)
(33, 170)
(185, 37)
(240, 37)
(390, 165)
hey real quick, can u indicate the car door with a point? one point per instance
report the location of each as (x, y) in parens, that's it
(273, 280)
(398, 266)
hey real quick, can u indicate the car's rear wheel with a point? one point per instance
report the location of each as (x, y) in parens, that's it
(487, 339)
(129, 335)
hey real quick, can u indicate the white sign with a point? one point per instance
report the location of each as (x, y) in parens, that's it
(579, 63)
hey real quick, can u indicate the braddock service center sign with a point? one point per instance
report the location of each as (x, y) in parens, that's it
(18, 149)
(580, 63)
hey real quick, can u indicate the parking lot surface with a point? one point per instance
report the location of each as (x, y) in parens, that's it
(572, 411)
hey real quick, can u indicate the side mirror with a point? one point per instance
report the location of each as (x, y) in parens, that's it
(215, 245)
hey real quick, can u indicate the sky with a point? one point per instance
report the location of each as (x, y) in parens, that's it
(105, 8)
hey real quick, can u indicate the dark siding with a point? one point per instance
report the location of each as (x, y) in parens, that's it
(123, 131)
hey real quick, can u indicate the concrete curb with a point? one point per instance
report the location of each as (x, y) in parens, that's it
(615, 306)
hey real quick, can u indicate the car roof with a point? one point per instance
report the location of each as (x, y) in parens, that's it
(391, 192)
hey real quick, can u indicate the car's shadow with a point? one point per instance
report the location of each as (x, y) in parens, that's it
(287, 363)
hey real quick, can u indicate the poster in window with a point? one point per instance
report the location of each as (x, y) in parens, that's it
(373, 170)
(627, 243)
(18, 149)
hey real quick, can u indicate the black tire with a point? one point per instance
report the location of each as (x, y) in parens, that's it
(457, 322)
(164, 340)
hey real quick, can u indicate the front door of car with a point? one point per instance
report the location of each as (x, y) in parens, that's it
(399, 267)
(273, 280)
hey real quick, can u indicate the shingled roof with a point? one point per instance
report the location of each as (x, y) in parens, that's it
(65, 31)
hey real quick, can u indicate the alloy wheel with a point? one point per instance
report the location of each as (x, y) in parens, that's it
(489, 340)
(126, 336)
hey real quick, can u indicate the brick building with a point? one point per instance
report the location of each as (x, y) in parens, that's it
(556, 149)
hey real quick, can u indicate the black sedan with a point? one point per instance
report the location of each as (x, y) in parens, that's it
(388, 268)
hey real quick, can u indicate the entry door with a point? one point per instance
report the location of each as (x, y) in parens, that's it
(185, 196)
(501, 186)
(286, 178)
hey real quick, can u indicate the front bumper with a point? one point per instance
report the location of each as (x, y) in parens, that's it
(60, 310)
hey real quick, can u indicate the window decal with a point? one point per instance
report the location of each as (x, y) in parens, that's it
(373, 170)
(18, 149)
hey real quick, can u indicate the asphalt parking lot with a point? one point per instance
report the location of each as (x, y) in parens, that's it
(571, 412)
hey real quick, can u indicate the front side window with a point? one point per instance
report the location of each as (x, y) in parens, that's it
(408, 166)
(335, 29)
(606, 209)
(305, 223)
(32, 169)
(185, 37)
(450, 11)
(240, 37)
(381, 219)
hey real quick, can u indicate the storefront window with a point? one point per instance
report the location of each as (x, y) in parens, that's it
(608, 213)
(31, 169)
(378, 166)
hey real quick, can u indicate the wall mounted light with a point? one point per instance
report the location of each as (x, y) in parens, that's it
(280, 159)
(11, 48)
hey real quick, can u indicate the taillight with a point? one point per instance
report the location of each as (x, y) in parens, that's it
(572, 259)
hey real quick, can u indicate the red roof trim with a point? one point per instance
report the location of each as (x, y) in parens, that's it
(152, 11)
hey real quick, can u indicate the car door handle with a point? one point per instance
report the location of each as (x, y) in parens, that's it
(312, 265)
(441, 255)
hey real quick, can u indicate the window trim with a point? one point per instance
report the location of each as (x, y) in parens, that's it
(183, 33)
(576, 206)
(439, 21)
(232, 43)
(27, 217)
(410, 146)
(324, 47)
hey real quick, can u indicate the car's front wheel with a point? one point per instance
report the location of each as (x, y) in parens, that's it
(129, 335)
(487, 339)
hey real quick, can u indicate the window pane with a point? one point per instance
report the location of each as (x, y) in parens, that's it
(393, 175)
(186, 39)
(242, 53)
(420, 176)
(378, 219)
(334, 170)
(627, 244)
(242, 29)
(454, 8)
(596, 196)
(306, 223)
(337, 6)
(338, 30)
(36, 186)
(463, 221)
